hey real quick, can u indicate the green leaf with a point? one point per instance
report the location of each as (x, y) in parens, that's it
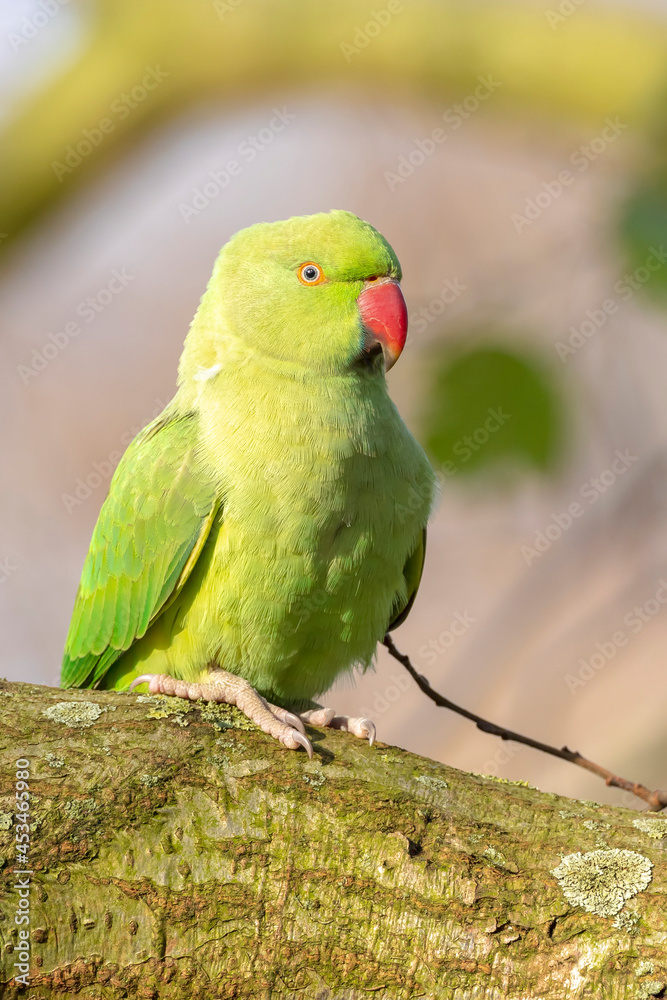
(643, 230)
(493, 405)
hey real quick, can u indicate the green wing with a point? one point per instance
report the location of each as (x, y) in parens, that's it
(150, 531)
(412, 571)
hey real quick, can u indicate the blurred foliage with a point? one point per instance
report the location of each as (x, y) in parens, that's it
(644, 231)
(600, 62)
(490, 406)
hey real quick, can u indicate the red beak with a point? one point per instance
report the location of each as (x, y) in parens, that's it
(384, 315)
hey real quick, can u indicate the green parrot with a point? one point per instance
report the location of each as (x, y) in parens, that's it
(268, 528)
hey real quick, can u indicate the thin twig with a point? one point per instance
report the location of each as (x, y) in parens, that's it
(656, 800)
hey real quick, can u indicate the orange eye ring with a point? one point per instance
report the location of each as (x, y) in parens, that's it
(310, 273)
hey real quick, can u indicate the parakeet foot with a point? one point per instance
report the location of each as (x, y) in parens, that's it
(229, 689)
(363, 728)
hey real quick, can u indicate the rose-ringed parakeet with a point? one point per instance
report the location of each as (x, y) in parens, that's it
(267, 529)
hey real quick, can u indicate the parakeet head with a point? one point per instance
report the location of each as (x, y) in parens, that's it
(319, 292)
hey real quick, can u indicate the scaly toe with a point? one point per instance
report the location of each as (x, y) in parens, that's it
(154, 679)
(231, 689)
(166, 684)
(363, 728)
(368, 730)
(318, 716)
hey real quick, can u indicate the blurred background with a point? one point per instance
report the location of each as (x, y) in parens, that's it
(515, 155)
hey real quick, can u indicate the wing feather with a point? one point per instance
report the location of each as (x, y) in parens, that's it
(412, 573)
(150, 531)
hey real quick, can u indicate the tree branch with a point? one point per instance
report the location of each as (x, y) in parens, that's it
(173, 850)
(656, 800)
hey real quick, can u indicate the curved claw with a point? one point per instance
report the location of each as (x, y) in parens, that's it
(142, 679)
(293, 720)
(304, 741)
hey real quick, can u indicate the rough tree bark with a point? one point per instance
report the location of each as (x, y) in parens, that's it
(176, 852)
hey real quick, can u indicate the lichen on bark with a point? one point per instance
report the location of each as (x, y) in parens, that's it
(177, 855)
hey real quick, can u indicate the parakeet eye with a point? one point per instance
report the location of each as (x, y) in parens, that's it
(310, 274)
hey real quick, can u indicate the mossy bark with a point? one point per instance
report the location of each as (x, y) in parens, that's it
(176, 855)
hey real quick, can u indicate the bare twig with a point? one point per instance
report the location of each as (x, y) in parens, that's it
(656, 800)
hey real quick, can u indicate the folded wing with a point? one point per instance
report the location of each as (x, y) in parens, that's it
(150, 532)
